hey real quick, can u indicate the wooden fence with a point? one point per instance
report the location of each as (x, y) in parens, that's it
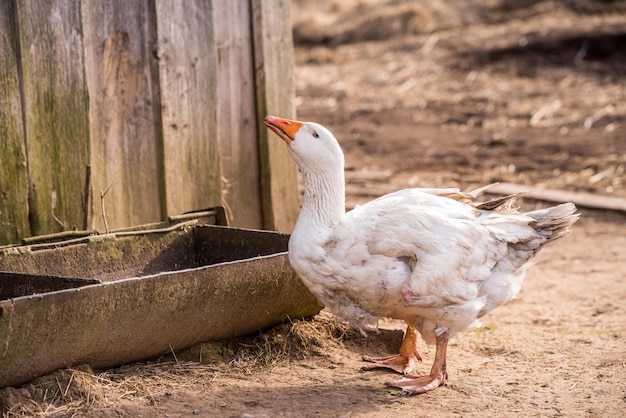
(160, 102)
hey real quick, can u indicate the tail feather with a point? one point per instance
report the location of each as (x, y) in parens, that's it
(555, 222)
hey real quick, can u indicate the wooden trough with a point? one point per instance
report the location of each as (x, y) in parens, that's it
(109, 299)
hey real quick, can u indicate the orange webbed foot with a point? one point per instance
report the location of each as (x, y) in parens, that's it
(398, 363)
(404, 362)
(414, 385)
(438, 373)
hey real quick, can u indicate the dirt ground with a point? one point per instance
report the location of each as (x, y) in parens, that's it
(531, 95)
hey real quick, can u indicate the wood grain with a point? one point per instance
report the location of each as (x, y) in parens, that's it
(188, 80)
(56, 110)
(124, 111)
(274, 57)
(238, 131)
(13, 176)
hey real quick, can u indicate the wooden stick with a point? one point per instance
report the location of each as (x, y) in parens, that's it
(587, 200)
(87, 197)
(104, 216)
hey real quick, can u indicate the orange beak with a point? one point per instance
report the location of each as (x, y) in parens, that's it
(286, 129)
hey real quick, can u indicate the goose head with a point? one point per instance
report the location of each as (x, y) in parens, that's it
(313, 147)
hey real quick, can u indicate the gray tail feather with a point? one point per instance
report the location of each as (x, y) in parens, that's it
(555, 222)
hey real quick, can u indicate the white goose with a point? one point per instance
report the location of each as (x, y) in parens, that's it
(431, 257)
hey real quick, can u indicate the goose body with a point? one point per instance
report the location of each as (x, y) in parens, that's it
(434, 258)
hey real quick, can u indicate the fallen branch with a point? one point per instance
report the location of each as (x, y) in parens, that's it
(586, 200)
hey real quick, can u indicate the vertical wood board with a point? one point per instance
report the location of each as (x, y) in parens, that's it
(13, 176)
(236, 114)
(188, 81)
(56, 109)
(274, 60)
(125, 126)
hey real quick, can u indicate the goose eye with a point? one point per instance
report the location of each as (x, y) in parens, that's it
(315, 135)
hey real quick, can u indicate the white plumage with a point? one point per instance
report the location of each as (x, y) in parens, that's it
(434, 258)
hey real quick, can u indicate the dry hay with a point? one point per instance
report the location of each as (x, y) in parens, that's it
(61, 392)
(75, 391)
(293, 341)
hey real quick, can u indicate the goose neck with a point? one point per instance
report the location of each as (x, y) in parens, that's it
(324, 198)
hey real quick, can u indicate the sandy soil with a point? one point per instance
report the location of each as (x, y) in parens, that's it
(534, 96)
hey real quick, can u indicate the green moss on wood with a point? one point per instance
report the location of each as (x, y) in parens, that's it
(57, 113)
(13, 180)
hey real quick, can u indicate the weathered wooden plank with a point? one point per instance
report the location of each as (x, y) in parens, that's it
(188, 82)
(56, 111)
(13, 176)
(273, 45)
(236, 114)
(124, 111)
(587, 200)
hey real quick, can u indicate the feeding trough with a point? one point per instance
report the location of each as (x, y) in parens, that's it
(108, 299)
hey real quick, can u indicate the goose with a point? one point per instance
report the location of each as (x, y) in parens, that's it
(435, 258)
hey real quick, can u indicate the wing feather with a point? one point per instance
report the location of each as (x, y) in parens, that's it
(451, 246)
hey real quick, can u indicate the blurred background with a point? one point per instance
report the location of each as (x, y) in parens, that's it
(463, 93)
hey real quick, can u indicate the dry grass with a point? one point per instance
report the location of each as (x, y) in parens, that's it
(293, 341)
(63, 392)
(75, 391)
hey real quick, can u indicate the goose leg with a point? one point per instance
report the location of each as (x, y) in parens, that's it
(437, 377)
(404, 362)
